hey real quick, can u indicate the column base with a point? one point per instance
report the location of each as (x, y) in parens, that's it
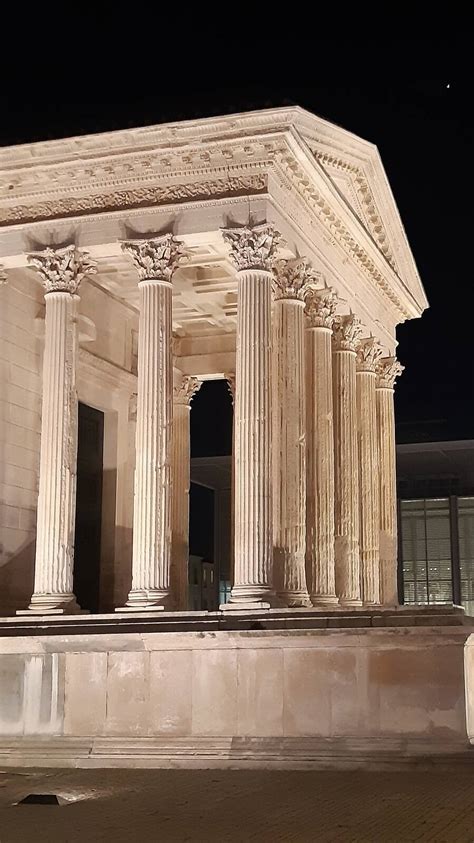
(146, 601)
(293, 599)
(52, 604)
(350, 603)
(319, 601)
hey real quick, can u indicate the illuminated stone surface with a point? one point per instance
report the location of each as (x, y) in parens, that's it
(201, 248)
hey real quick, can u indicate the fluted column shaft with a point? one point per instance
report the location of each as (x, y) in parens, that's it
(156, 260)
(252, 251)
(181, 465)
(289, 457)
(320, 468)
(61, 272)
(252, 437)
(388, 496)
(387, 371)
(346, 483)
(368, 472)
(152, 501)
(58, 456)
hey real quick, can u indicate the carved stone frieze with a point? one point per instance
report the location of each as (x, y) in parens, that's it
(252, 247)
(347, 333)
(138, 197)
(321, 307)
(184, 392)
(369, 352)
(388, 369)
(62, 270)
(292, 278)
(156, 258)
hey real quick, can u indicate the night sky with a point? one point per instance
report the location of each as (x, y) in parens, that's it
(421, 122)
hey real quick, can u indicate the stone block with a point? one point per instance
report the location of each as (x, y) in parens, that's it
(214, 692)
(419, 690)
(127, 693)
(12, 669)
(171, 692)
(85, 693)
(260, 692)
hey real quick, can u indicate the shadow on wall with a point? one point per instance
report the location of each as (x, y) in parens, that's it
(17, 576)
(16, 579)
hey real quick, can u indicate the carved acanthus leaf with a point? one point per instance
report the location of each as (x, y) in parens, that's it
(388, 369)
(157, 258)
(186, 390)
(230, 378)
(62, 270)
(252, 247)
(347, 332)
(292, 278)
(369, 352)
(321, 307)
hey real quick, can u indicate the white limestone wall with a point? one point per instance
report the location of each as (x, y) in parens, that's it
(21, 303)
(161, 688)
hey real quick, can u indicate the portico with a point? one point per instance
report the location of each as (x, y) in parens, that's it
(264, 249)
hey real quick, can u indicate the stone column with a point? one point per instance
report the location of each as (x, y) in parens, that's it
(61, 272)
(155, 260)
(387, 371)
(252, 252)
(291, 279)
(320, 310)
(183, 395)
(230, 378)
(347, 331)
(368, 353)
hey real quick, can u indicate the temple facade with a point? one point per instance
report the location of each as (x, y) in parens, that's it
(264, 249)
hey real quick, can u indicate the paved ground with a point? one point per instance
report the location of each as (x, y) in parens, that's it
(217, 805)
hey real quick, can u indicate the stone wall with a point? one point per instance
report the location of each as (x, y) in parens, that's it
(106, 329)
(148, 695)
(21, 305)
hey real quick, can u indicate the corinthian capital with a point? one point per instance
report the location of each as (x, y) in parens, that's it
(186, 390)
(369, 352)
(321, 307)
(155, 259)
(252, 247)
(388, 370)
(292, 278)
(347, 332)
(230, 378)
(62, 270)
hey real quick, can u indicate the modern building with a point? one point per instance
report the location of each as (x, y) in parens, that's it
(436, 523)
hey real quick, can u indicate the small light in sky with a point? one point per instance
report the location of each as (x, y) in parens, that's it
(448, 85)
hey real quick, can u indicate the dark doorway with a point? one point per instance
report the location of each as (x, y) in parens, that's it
(88, 507)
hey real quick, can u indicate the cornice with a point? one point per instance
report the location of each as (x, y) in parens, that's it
(295, 179)
(220, 158)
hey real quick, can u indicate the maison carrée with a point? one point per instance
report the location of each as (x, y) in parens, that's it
(264, 249)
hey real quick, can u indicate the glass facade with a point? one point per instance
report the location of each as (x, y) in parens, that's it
(436, 551)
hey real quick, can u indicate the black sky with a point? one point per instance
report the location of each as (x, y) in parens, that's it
(422, 127)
